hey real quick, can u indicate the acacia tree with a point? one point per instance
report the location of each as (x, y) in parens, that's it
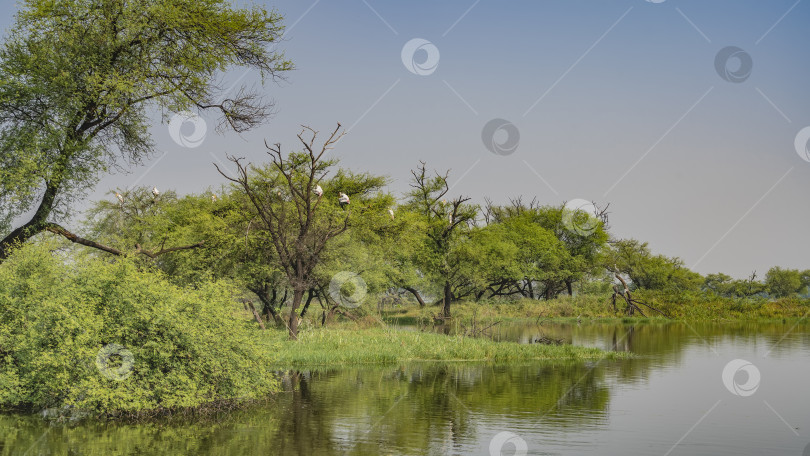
(583, 234)
(79, 78)
(140, 223)
(782, 283)
(400, 251)
(297, 222)
(515, 255)
(447, 224)
(647, 271)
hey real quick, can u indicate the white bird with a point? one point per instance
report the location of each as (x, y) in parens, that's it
(318, 191)
(451, 218)
(155, 192)
(391, 212)
(213, 198)
(120, 197)
(343, 199)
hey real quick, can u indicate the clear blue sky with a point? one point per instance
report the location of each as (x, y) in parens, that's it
(616, 101)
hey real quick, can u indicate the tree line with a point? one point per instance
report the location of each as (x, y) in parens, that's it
(281, 232)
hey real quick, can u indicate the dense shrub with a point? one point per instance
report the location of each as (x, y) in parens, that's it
(107, 338)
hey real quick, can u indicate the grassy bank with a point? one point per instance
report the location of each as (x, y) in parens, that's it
(592, 307)
(344, 346)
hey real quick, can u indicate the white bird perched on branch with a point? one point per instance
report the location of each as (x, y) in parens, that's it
(343, 199)
(155, 192)
(391, 212)
(318, 191)
(213, 198)
(120, 197)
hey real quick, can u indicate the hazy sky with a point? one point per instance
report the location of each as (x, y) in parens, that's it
(635, 103)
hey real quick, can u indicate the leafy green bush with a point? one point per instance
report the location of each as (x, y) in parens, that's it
(106, 338)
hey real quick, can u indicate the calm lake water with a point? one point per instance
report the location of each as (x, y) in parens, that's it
(670, 400)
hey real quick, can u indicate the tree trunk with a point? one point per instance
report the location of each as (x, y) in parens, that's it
(268, 304)
(39, 221)
(310, 294)
(256, 314)
(416, 294)
(298, 296)
(569, 287)
(34, 226)
(448, 296)
(531, 289)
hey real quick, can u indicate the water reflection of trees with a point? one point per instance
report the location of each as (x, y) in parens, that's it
(408, 410)
(435, 407)
(415, 409)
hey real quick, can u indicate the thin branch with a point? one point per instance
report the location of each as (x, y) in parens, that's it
(61, 231)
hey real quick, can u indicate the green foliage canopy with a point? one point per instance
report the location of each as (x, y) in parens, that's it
(79, 80)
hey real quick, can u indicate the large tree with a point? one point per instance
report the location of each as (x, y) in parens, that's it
(298, 212)
(447, 224)
(515, 255)
(80, 79)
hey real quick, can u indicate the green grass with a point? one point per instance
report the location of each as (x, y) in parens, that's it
(344, 346)
(593, 307)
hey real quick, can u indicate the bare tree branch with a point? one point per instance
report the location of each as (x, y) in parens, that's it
(61, 231)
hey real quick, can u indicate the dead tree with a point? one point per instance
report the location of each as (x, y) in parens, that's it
(632, 303)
